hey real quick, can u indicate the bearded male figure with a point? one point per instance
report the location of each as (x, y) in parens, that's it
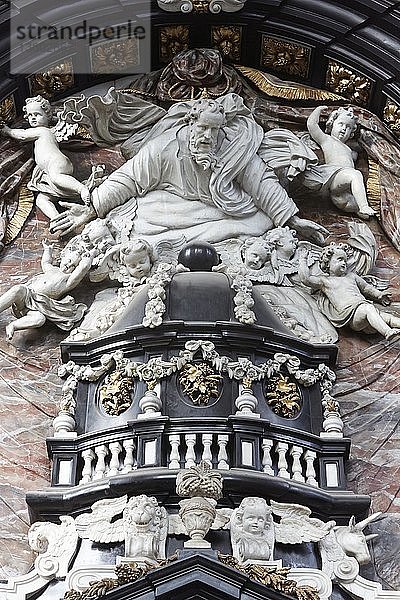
(206, 171)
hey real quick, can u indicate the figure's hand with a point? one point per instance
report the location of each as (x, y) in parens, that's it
(308, 229)
(75, 216)
(385, 299)
(47, 245)
(4, 129)
(302, 252)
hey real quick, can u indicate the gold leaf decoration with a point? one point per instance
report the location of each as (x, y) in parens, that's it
(285, 57)
(374, 191)
(173, 39)
(26, 201)
(7, 109)
(272, 577)
(391, 116)
(115, 393)
(56, 79)
(115, 56)
(283, 396)
(353, 86)
(280, 89)
(200, 383)
(227, 39)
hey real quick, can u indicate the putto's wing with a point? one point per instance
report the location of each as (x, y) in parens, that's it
(230, 251)
(167, 250)
(176, 526)
(296, 526)
(363, 244)
(64, 131)
(107, 265)
(222, 518)
(97, 526)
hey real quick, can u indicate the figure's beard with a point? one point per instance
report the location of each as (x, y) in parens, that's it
(207, 160)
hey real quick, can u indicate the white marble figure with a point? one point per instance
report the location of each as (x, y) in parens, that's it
(52, 177)
(252, 531)
(206, 171)
(55, 545)
(127, 263)
(143, 526)
(345, 547)
(345, 296)
(43, 297)
(338, 175)
(255, 253)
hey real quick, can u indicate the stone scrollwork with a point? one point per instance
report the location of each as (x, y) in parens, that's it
(55, 545)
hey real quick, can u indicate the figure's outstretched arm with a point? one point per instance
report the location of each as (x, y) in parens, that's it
(22, 135)
(305, 276)
(80, 271)
(313, 126)
(371, 292)
(47, 256)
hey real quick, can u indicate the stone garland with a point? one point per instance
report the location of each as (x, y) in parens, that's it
(243, 299)
(155, 307)
(156, 369)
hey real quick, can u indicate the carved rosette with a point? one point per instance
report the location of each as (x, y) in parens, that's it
(114, 56)
(285, 57)
(353, 86)
(391, 116)
(173, 40)
(227, 39)
(7, 109)
(57, 79)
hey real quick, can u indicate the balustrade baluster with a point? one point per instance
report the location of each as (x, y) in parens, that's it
(222, 454)
(88, 457)
(101, 453)
(129, 446)
(207, 441)
(309, 457)
(282, 448)
(115, 449)
(266, 458)
(190, 457)
(297, 471)
(174, 459)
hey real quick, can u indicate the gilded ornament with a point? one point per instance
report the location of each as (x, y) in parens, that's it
(7, 110)
(353, 86)
(281, 89)
(272, 577)
(55, 80)
(173, 40)
(227, 39)
(200, 382)
(114, 56)
(285, 57)
(115, 393)
(283, 396)
(391, 116)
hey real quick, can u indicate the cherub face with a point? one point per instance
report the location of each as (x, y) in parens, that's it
(288, 244)
(254, 519)
(69, 261)
(36, 116)
(138, 263)
(338, 263)
(342, 127)
(255, 256)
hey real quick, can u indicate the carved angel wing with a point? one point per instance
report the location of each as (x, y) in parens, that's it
(107, 265)
(176, 526)
(97, 525)
(222, 518)
(63, 131)
(230, 251)
(167, 250)
(296, 525)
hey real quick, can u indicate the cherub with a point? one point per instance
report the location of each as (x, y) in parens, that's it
(338, 175)
(127, 262)
(44, 296)
(343, 297)
(252, 530)
(52, 176)
(283, 243)
(255, 253)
